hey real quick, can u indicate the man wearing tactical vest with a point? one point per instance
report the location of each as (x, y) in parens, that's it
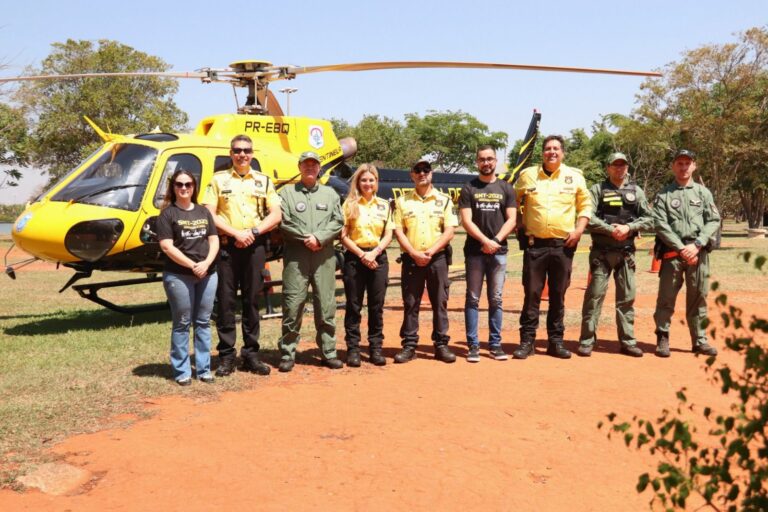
(620, 212)
(686, 221)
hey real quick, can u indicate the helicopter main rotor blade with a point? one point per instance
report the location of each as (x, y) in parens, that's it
(370, 66)
(168, 74)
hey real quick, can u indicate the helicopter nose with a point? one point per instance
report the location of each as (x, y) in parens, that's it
(93, 239)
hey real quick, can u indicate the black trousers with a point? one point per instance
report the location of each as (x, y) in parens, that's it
(552, 264)
(239, 269)
(414, 278)
(359, 279)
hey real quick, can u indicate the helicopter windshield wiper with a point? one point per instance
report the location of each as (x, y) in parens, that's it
(105, 190)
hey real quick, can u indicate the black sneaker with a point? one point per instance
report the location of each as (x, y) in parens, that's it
(251, 363)
(473, 356)
(444, 354)
(405, 355)
(353, 358)
(498, 353)
(226, 366)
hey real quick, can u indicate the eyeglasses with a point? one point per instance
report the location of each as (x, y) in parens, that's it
(186, 184)
(422, 170)
(247, 151)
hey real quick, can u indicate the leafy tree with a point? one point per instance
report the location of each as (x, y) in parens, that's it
(382, 141)
(452, 138)
(61, 136)
(14, 145)
(718, 95)
(728, 466)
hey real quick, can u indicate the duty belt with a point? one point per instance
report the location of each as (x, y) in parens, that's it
(545, 242)
(617, 248)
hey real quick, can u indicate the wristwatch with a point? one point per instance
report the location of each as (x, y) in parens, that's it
(255, 231)
(697, 244)
(496, 240)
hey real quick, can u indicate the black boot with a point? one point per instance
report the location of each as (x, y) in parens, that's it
(353, 358)
(524, 350)
(226, 365)
(377, 357)
(556, 349)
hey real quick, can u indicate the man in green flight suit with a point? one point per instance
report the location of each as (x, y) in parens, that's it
(312, 220)
(686, 221)
(620, 212)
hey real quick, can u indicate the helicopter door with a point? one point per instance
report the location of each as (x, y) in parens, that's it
(185, 161)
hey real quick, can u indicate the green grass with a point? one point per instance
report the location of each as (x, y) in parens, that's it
(70, 366)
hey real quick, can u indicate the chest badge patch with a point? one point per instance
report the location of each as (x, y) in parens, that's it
(380, 207)
(322, 206)
(675, 203)
(300, 207)
(568, 180)
(439, 203)
(631, 197)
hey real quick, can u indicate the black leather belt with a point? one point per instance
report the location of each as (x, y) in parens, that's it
(547, 242)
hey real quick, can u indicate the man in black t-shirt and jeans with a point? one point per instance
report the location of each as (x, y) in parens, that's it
(487, 210)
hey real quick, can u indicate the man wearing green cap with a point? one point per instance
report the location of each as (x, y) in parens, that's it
(312, 220)
(686, 221)
(620, 212)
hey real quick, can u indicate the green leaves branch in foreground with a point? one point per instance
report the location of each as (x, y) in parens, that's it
(728, 465)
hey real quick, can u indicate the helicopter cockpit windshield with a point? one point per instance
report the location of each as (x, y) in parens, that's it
(117, 179)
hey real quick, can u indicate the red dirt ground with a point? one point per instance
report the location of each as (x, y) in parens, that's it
(514, 435)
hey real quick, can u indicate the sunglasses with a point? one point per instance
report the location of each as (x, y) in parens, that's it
(247, 151)
(187, 184)
(422, 170)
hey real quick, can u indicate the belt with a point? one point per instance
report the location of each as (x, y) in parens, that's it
(669, 255)
(546, 242)
(620, 248)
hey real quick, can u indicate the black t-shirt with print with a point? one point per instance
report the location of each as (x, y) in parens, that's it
(189, 230)
(489, 203)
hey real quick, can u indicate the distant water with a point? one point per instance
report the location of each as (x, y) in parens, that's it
(5, 228)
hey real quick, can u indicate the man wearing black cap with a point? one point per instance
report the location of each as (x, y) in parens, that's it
(686, 221)
(424, 226)
(312, 220)
(620, 213)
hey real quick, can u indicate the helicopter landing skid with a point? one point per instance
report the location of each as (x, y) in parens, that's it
(91, 292)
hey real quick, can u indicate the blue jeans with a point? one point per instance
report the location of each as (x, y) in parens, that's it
(191, 301)
(492, 267)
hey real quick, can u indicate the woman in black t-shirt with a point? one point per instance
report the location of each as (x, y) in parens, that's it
(187, 235)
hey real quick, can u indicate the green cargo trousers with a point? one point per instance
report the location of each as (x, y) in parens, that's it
(671, 276)
(318, 270)
(601, 263)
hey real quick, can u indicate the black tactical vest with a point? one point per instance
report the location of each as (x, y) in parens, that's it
(618, 206)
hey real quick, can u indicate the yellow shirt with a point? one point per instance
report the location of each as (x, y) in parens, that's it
(551, 204)
(242, 201)
(423, 220)
(368, 227)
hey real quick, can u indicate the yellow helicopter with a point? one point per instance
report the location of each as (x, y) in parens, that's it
(100, 216)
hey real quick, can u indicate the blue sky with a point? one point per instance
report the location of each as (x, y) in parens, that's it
(193, 34)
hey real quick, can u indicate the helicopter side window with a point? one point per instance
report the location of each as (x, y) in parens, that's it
(222, 163)
(117, 179)
(184, 161)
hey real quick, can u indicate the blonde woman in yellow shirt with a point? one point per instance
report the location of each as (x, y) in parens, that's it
(366, 234)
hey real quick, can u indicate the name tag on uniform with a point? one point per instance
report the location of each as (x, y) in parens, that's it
(322, 206)
(695, 202)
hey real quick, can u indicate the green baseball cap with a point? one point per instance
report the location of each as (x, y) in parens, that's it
(617, 156)
(309, 155)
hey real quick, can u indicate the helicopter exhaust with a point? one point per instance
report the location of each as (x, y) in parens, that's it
(348, 147)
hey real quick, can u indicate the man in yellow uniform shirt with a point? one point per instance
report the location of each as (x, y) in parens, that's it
(245, 206)
(424, 226)
(556, 209)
